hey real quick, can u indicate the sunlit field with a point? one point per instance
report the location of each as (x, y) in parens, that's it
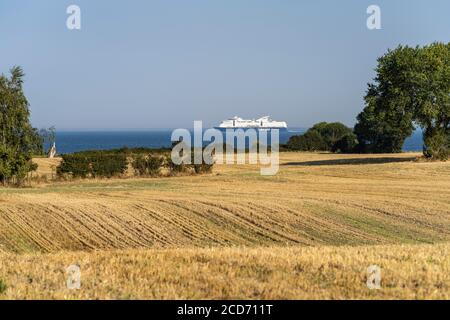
(311, 231)
(408, 272)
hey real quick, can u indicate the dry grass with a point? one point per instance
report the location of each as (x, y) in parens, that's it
(312, 201)
(164, 225)
(407, 272)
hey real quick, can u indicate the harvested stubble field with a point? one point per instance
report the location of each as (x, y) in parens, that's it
(309, 232)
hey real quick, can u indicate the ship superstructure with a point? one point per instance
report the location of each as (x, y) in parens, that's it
(261, 123)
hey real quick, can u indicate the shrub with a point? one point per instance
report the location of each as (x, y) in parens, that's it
(173, 167)
(148, 165)
(93, 165)
(105, 164)
(78, 166)
(108, 165)
(202, 168)
(154, 164)
(125, 150)
(139, 165)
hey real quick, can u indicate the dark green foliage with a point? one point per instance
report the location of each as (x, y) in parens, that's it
(14, 165)
(202, 168)
(436, 144)
(310, 141)
(148, 164)
(332, 133)
(412, 86)
(113, 163)
(127, 151)
(18, 139)
(140, 165)
(154, 164)
(108, 165)
(430, 84)
(346, 144)
(188, 165)
(173, 167)
(324, 137)
(74, 165)
(381, 132)
(181, 148)
(386, 121)
(101, 165)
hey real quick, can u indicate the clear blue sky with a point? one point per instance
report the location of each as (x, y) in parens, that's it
(159, 64)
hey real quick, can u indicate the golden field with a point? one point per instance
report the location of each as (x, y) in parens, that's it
(407, 272)
(311, 231)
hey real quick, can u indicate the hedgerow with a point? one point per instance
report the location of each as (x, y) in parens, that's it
(114, 163)
(95, 165)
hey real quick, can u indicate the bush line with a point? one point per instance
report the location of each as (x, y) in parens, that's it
(114, 163)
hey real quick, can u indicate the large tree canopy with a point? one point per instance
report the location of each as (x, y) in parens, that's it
(324, 136)
(412, 87)
(18, 139)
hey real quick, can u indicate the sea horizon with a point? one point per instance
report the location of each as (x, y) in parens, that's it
(70, 141)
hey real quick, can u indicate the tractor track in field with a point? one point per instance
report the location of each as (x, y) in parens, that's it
(390, 203)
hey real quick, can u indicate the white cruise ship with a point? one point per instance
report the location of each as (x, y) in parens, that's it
(261, 123)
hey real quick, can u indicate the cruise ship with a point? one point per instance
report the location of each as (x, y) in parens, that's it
(261, 123)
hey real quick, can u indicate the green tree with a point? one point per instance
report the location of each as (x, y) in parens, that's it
(311, 140)
(332, 133)
(18, 139)
(412, 87)
(346, 144)
(430, 81)
(324, 136)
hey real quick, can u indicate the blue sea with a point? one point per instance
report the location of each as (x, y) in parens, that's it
(73, 141)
